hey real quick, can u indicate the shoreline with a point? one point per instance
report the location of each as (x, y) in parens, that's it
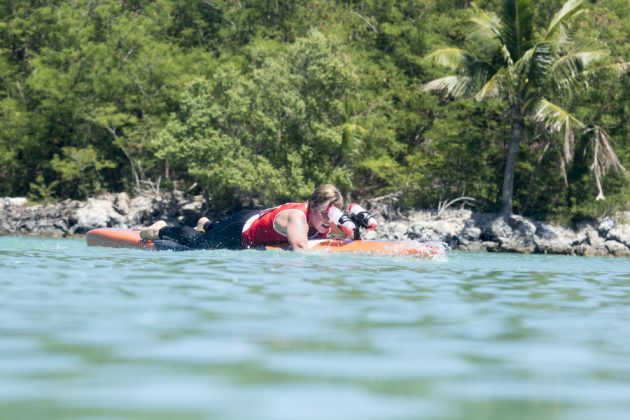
(462, 230)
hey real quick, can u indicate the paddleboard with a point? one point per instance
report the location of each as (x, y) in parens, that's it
(130, 238)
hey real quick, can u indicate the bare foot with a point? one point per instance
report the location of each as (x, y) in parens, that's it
(200, 224)
(152, 232)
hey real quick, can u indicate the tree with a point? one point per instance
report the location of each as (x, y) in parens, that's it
(533, 70)
(271, 131)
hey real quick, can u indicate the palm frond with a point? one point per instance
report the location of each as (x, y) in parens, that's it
(534, 63)
(492, 88)
(453, 86)
(604, 157)
(452, 58)
(563, 170)
(569, 10)
(561, 38)
(524, 63)
(518, 26)
(568, 69)
(542, 59)
(556, 119)
(620, 69)
(484, 31)
(507, 56)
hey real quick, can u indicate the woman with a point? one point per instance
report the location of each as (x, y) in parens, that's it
(294, 223)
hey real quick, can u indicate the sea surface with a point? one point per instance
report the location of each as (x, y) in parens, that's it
(99, 333)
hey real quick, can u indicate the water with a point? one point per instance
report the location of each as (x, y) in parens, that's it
(110, 333)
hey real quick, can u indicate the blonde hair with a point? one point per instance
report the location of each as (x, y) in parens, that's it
(325, 194)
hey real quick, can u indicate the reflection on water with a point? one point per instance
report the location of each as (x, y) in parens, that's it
(109, 333)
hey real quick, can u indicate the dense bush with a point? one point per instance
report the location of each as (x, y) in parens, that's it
(260, 101)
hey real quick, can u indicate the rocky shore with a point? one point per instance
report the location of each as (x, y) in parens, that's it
(460, 229)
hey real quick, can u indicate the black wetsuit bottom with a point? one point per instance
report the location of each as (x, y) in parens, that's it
(226, 234)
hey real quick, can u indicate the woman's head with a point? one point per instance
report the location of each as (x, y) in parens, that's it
(324, 196)
(320, 201)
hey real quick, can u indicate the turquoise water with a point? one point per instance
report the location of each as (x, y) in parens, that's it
(113, 333)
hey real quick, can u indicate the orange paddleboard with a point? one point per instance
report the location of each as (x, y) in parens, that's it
(117, 238)
(412, 248)
(130, 238)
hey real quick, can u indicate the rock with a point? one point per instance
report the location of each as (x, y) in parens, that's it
(369, 235)
(440, 230)
(473, 246)
(620, 233)
(27, 226)
(595, 251)
(554, 239)
(518, 244)
(95, 213)
(522, 239)
(61, 226)
(15, 201)
(617, 249)
(499, 230)
(424, 234)
(142, 211)
(514, 234)
(122, 203)
(593, 239)
(522, 225)
(461, 229)
(394, 231)
(470, 232)
(605, 226)
(191, 211)
(579, 249)
(490, 246)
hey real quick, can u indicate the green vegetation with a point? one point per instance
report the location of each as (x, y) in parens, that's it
(529, 69)
(260, 101)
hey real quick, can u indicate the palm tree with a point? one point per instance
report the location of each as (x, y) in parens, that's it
(530, 69)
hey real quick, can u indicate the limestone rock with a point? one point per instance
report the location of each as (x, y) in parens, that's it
(606, 225)
(554, 239)
(15, 201)
(95, 213)
(593, 239)
(617, 249)
(142, 211)
(122, 203)
(620, 233)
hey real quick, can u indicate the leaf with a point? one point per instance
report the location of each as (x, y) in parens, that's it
(568, 69)
(569, 10)
(604, 157)
(485, 30)
(452, 58)
(492, 88)
(556, 119)
(518, 20)
(454, 86)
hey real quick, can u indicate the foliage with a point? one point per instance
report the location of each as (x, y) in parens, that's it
(532, 69)
(269, 132)
(260, 101)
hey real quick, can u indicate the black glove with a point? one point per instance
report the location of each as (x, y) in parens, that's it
(361, 218)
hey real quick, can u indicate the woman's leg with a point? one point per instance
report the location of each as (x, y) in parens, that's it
(228, 233)
(223, 235)
(183, 235)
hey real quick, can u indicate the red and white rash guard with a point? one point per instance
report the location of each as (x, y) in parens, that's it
(259, 230)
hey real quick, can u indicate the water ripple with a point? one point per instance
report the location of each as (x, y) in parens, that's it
(97, 332)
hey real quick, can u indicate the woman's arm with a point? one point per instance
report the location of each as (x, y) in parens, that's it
(297, 231)
(337, 233)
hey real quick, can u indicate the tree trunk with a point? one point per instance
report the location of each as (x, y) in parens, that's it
(518, 128)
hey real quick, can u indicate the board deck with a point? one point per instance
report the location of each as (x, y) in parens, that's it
(130, 238)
